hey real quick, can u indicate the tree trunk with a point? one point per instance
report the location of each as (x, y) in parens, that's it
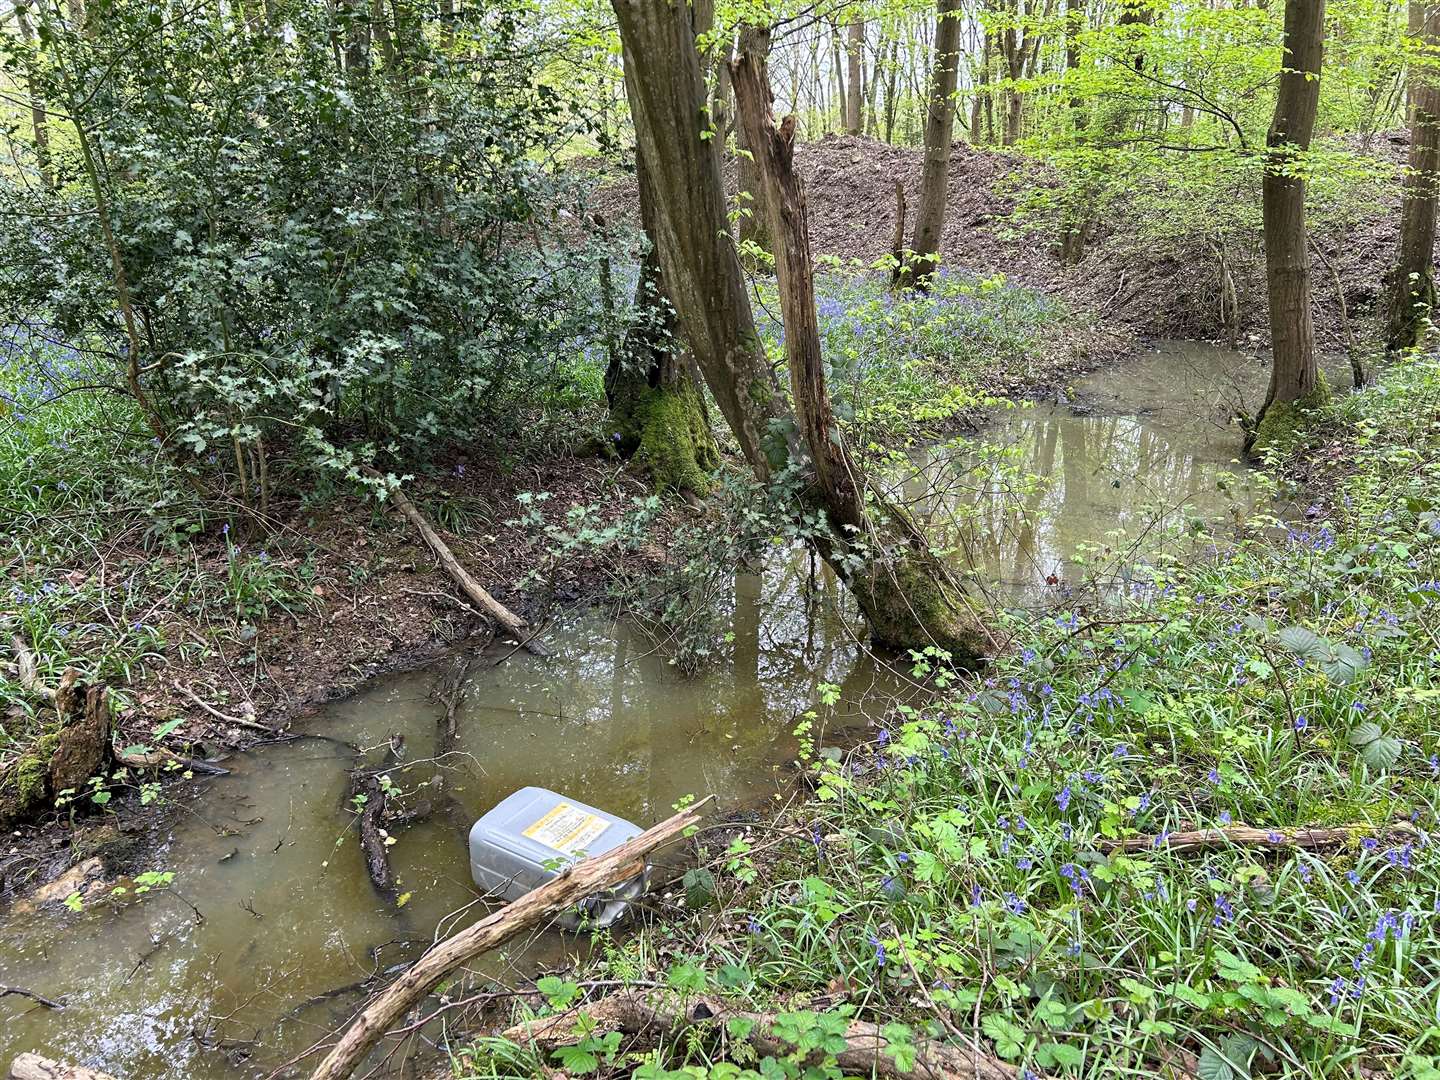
(939, 133)
(657, 415)
(981, 100)
(1294, 375)
(1411, 298)
(906, 600)
(901, 587)
(855, 95)
(754, 218)
(38, 126)
(842, 100)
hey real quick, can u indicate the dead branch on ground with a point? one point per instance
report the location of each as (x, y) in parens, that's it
(635, 1013)
(1246, 836)
(536, 907)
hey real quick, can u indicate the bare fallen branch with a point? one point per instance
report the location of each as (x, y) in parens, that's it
(472, 588)
(636, 1013)
(158, 756)
(225, 718)
(20, 991)
(536, 907)
(1247, 836)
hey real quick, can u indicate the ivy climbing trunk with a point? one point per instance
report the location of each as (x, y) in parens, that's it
(1294, 374)
(1410, 300)
(939, 133)
(901, 588)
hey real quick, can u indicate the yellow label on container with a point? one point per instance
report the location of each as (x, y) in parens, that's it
(567, 829)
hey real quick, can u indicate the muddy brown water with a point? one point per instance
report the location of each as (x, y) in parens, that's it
(287, 918)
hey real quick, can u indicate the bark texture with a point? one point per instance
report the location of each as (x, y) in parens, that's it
(855, 87)
(657, 414)
(1294, 375)
(1411, 295)
(939, 134)
(665, 87)
(902, 589)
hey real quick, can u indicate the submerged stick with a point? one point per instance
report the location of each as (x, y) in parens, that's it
(20, 991)
(472, 588)
(1246, 836)
(572, 885)
(35, 1067)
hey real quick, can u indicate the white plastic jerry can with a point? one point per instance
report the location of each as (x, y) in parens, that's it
(531, 835)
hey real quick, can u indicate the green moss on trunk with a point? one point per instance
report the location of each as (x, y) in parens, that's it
(909, 605)
(665, 430)
(1285, 420)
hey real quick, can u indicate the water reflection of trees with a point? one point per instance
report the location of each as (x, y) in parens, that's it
(1018, 509)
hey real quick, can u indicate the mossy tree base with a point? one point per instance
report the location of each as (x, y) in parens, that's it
(1283, 421)
(909, 604)
(664, 429)
(1411, 311)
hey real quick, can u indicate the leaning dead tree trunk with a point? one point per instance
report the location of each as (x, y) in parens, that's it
(472, 588)
(900, 585)
(903, 592)
(1411, 298)
(1294, 373)
(939, 133)
(754, 221)
(536, 907)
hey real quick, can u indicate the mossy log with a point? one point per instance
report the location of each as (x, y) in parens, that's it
(74, 746)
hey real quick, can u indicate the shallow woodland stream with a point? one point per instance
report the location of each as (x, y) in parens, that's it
(273, 930)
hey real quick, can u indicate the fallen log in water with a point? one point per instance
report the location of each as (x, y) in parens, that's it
(633, 1012)
(372, 833)
(538, 906)
(35, 1067)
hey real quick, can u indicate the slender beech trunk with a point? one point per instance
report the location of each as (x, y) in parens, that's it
(841, 98)
(855, 95)
(904, 597)
(1294, 374)
(939, 134)
(981, 99)
(39, 127)
(1411, 294)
